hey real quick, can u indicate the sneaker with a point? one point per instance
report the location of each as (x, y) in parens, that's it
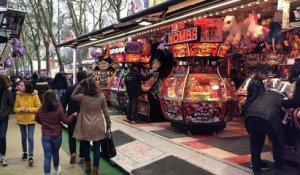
(3, 161)
(24, 157)
(57, 170)
(30, 161)
(264, 166)
(73, 159)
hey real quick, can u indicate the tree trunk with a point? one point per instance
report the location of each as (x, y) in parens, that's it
(48, 25)
(17, 66)
(30, 64)
(24, 65)
(38, 59)
(47, 57)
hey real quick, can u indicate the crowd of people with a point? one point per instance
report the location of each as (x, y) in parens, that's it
(48, 102)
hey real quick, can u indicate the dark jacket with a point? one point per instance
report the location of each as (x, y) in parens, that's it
(255, 88)
(133, 82)
(41, 87)
(59, 82)
(268, 106)
(51, 121)
(73, 106)
(294, 102)
(6, 104)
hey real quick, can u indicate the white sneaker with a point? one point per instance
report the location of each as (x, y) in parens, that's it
(58, 170)
(3, 161)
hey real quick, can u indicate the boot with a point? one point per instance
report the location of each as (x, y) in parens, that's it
(88, 167)
(95, 170)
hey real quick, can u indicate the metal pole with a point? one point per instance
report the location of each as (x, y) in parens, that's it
(74, 65)
(58, 29)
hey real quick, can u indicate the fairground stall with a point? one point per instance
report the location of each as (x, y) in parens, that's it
(116, 86)
(196, 96)
(138, 53)
(102, 69)
(148, 106)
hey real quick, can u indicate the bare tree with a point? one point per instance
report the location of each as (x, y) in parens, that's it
(77, 11)
(45, 7)
(96, 9)
(42, 30)
(116, 6)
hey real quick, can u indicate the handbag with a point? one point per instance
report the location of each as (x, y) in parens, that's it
(108, 149)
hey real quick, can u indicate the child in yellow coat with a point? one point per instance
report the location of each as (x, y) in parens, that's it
(26, 105)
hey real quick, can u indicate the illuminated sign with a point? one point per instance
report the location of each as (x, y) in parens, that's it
(103, 65)
(115, 66)
(182, 36)
(117, 50)
(133, 47)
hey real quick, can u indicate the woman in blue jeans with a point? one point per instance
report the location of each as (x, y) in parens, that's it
(93, 121)
(26, 105)
(6, 107)
(50, 116)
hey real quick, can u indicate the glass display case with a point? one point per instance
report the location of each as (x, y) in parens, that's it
(148, 105)
(147, 85)
(270, 83)
(103, 78)
(197, 96)
(117, 92)
(204, 87)
(173, 85)
(285, 87)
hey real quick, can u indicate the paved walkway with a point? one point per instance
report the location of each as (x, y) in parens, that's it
(146, 149)
(142, 146)
(14, 152)
(138, 148)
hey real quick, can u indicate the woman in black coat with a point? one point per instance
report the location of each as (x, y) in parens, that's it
(6, 108)
(293, 134)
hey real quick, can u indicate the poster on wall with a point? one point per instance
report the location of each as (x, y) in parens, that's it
(211, 29)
